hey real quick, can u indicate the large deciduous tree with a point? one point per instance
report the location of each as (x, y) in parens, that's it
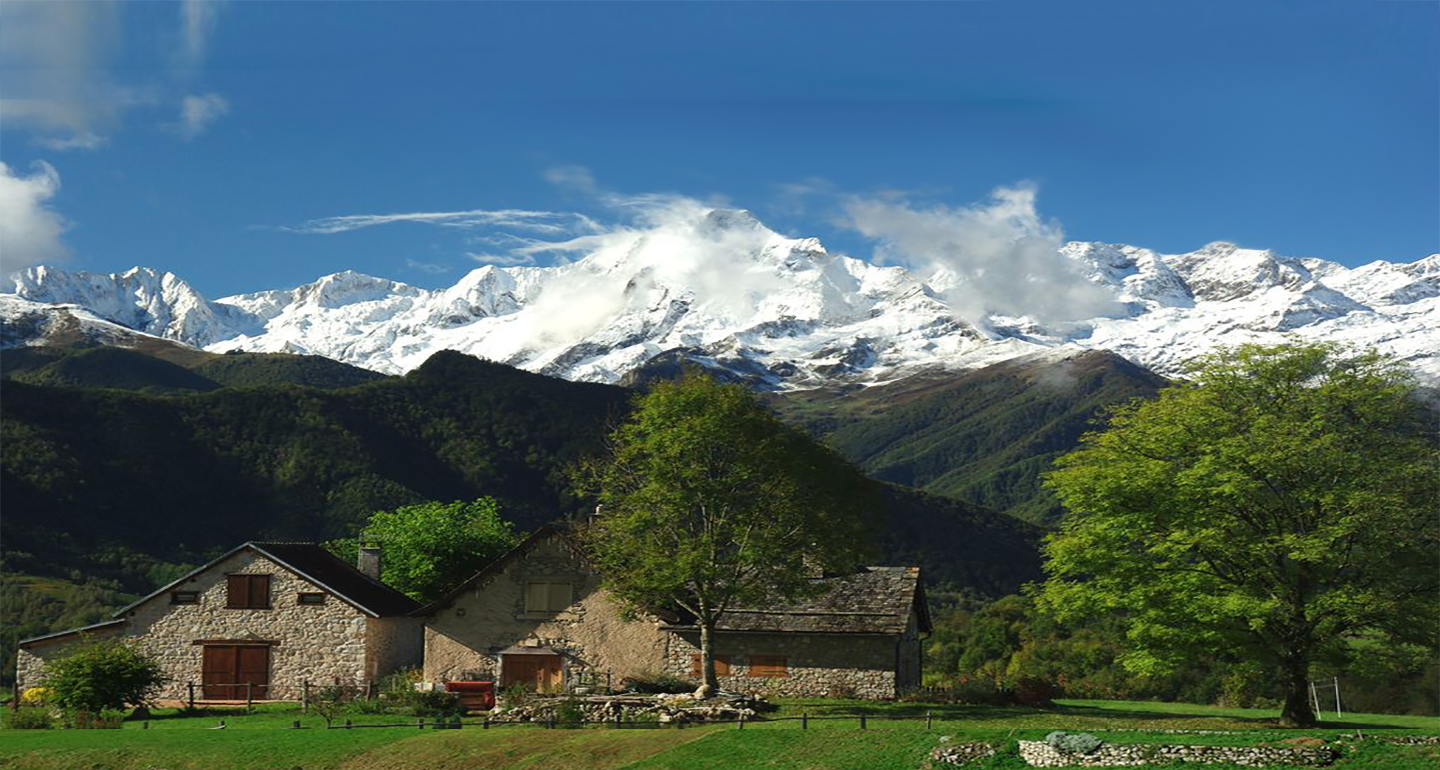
(709, 503)
(1277, 502)
(431, 547)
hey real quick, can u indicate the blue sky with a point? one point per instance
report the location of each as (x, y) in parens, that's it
(202, 138)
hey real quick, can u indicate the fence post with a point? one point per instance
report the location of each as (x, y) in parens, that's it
(295, 725)
(804, 721)
(740, 723)
(550, 722)
(927, 720)
(1337, 697)
(420, 723)
(485, 725)
(862, 721)
(144, 725)
(191, 687)
(347, 724)
(370, 690)
(617, 719)
(249, 697)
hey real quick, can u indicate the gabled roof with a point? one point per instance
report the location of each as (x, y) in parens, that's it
(319, 566)
(496, 567)
(872, 600)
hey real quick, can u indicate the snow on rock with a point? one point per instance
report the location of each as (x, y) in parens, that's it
(783, 312)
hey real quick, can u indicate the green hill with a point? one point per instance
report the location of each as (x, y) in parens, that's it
(981, 436)
(248, 370)
(159, 369)
(111, 368)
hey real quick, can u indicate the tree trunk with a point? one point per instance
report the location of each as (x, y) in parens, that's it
(707, 654)
(1298, 711)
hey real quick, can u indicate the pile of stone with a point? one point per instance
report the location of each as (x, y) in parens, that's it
(1044, 754)
(948, 753)
(662, 709)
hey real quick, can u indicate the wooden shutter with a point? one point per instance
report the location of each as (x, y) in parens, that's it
(259, 592)
(237, 591)
(560, 597)
(722, 665)
(536, 596)
(768, 665)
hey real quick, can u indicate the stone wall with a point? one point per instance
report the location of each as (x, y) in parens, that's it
(464, 639)
(323, 644)
(849, 665)
(1041, 754)
(30, 663)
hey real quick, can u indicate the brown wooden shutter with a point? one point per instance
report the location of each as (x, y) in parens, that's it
(260, 591)
(768, 665)
(722, 665)
(237, 591)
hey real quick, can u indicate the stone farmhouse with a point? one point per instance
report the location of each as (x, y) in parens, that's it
(259, 621)
(539, 615)
(264, 619)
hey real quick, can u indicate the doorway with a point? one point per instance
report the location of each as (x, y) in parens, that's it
(236, 672)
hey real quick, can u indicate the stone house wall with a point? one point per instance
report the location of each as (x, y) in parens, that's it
(817, 665)
(324, 644)
(463, 640)
(909, 660)
(392, 644)
(30, 662)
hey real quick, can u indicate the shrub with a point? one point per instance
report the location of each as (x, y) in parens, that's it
(516, 695)
(35, 696)
(568, 713)
(1073, 743)
(29, 718)
(402, 681)
(104, 719)
(103, 675)
(1033, 691)
(657, 683)
(431, 703)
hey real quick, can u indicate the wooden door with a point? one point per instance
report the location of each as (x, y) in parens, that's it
(217, 676)
(227, 668)
(543, 672)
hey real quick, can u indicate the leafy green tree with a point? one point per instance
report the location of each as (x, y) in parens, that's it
(1277, 503)
(709, 503)
(432, 547)
(101, 675)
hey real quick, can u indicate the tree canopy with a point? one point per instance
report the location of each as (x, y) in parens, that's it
(430, 548)
(1279, 502)
(709, 503)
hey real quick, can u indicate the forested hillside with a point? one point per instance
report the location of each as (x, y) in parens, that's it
(121, 489)
(983, 436)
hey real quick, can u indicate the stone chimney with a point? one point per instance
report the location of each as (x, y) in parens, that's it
(368, 562)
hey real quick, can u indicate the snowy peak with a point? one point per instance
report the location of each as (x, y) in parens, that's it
(718, 287)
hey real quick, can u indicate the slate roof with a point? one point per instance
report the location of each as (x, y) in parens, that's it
(312, 562)
(874, 600)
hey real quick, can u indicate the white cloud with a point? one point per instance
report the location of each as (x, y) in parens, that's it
(427, 267)
(545, 222)
(198, 112)
(53, 56)
(198, 19)
(999, 257)
(503, 260)
(29, 229)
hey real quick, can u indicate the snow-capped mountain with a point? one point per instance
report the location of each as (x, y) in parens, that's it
(724, 290)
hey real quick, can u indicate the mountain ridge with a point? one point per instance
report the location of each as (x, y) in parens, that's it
(784, 313)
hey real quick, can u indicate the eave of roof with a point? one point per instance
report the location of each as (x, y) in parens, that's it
(259, 548)
(57, 635)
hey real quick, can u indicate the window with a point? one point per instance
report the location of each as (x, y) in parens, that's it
(311, 598)
(184, 597)
(547, 596)
(722, 665)
(247, 592)
(768, 665)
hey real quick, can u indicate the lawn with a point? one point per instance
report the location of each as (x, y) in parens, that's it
(257, 741)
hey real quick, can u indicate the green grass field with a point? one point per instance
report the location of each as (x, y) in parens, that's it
(258, 741)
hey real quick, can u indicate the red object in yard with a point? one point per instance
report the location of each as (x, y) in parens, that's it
(474, 696)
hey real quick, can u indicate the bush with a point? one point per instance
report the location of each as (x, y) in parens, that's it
(1033, 691)
(35, 696)
(401, 682)
(652, 683)
(431, 703)
(1073, 743)
(103, 675)
(104, 719)
(568, 713)
(29, 718)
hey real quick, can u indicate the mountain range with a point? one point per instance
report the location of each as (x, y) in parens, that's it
(730, 294)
